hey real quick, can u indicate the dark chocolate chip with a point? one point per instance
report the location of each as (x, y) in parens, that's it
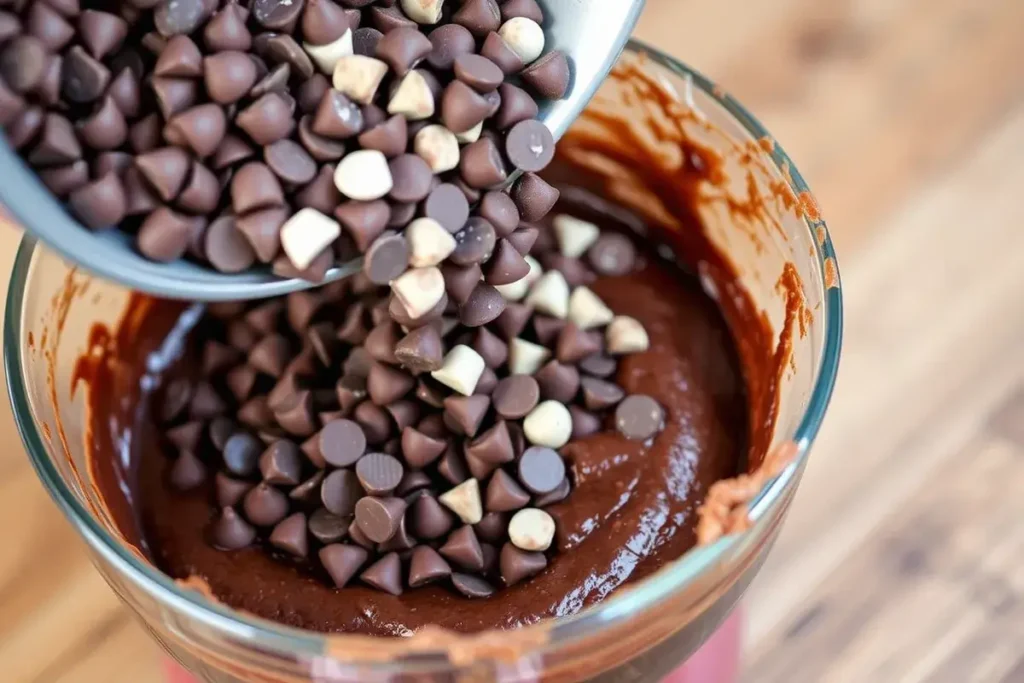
(402, 49)
(522, 8)
(516, 396)
(201, 128)
(575, 344)
(188, 472)
(180, 17)
(230, 532)
(229, 492)
(277, 14)
(165, 169)
(227, 31)
(282, 49)
(386, 573)
(484, 305)
(517, 564)
(342, 562)
(421, 350)
(328, 528)
(342, 443)
(340, 491)
(201, 192)
(426, 566)
(228, 76)
(447, 43)
(43, 22)
(549, 76)
(323, 22)
(180, 58)
(474, 244)
(541, 469)
(411, 176)
(598, 365)
(99, 204)
(481, 165)
(281, 463)
(266, 120)
(639, 417)
(174, 95)
(389, 137)
(613, 254)
(386, 259)
(374, 420)
(547, 329)
(337, 117)
(164, 235)
(62, 180)
(364, 41)
(463, 548)
(498, 51)
(262, 229)
(254, 186)
(290, 535)
(226, 247)
(185, 437)
(478, 72)
(599, 394)
(462, 108)
(23, 63)
(513, 319)
(466, 413)
(232, 149)
(264, 505)
(379, 518)
(530, 146)
(479, 16)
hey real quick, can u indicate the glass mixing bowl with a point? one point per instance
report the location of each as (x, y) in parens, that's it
(639, 634)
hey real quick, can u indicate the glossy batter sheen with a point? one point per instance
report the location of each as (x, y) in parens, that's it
(633, 507)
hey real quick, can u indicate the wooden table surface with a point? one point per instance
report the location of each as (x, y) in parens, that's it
(900, 560)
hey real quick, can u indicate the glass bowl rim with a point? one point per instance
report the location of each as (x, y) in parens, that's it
(641, 596)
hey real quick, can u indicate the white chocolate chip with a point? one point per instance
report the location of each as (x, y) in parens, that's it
(587, 310)
(550, 295)
(626, 335)
(574, 236)
(524, 36)
(525, 358)
(464, 501)
(471, 135)
(460, 370)
(549, 424)
(358, 77)
(517, 290)
(412, 98)
(363, 175)
(423, 11)
(438, 147)
(326, 56)
(419, 290)
(306, 234)
(532, 530)
(429, 243)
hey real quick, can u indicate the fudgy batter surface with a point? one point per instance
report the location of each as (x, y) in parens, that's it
(632, 509)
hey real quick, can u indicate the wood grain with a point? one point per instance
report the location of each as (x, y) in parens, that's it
(898, 561)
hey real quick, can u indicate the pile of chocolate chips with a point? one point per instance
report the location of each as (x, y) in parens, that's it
(295, 133)
(371, 445)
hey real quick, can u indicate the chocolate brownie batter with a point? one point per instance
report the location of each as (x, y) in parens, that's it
(633, 507)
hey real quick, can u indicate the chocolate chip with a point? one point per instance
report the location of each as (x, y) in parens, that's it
(549, 76)
(472, 586)
(230, 532)
(62, 180)
(266, 120)
(421, 350)
(575, 344)
(385, 574)
(402, 49)
(290, 535)
(530, 145)
(340, 492)
(494, 446)
(513, 319)
(613, 254)
(83, 78)
(323, 22)
(228, 76)
(328, 528)
(462, 108)
(478, 72)
(474, 244)
(379, 518)
(201, 128)
(342, 562)
(256, 412)
(174, 95)
(541, 469)
(22, 63)
(281, 463)
(481, 165)
(185, 437)
(229, 491)
(598, 365)
(517, 565)
(447, 205)
(254, 186)
(48, 26)
(386, 259)
(447, 43)
(227, 31)
(485, 304)
(463, 548)
(426, 566)
(379, 474)
(174, 17)
(262, 229)
(232, 149)
(264, 505)
(639, 417)
(599, 394)
(180, 58)
(226, 248)
(498, 51)
(479, 16)
(164, 235)
(411, 177)
(342, 443)
(290, 162)
(277, 14)
(364, 41)
(389, 137)
(25, 127)
(516, 396)
(283, 49)
(99, 204)
(188, 472)
(337, 117)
